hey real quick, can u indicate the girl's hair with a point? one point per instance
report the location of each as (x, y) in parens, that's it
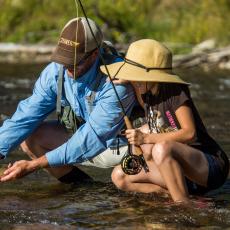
(152, 99)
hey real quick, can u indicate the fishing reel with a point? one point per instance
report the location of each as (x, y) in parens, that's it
(132, 164)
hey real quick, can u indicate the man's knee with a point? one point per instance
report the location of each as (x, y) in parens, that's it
(31, 146)
(162, 151)
(24, 147)
(27, 147)
(119, 178)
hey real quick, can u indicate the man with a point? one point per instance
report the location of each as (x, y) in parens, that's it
(91, 101)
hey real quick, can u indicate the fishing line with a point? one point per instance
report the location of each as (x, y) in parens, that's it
(131, 164)
(102, 59)
(75, 50)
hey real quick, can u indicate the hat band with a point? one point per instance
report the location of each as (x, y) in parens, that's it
(144, 67)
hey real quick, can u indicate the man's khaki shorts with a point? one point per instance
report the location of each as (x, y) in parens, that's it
(107, 159)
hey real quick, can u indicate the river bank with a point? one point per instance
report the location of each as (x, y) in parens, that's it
(204, 55)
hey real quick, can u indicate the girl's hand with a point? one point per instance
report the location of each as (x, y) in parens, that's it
(144, 128)
(135, 136)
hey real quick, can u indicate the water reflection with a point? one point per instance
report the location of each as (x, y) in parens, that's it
(40, 202)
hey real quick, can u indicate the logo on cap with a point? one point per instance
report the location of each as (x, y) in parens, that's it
(68, 42)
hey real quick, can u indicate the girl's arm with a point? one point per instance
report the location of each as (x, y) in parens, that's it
(186, 134)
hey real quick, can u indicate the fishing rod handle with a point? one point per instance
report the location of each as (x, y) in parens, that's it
(136, 149)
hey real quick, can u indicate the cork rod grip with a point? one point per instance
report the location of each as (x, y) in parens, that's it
(136, 149)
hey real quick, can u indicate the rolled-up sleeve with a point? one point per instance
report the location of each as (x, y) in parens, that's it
(30, 112)
(99, 130)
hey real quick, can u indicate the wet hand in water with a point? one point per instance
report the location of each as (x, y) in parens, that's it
(135, 136)
(17, 170)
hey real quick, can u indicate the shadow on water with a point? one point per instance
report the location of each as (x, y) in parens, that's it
(40, 202)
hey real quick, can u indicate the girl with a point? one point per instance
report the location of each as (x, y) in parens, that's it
(182, 158)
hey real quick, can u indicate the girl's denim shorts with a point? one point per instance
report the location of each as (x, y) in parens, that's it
(218, 172)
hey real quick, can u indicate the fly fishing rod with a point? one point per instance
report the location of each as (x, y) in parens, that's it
(133, 162)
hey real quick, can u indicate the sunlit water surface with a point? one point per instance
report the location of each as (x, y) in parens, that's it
(40, 202)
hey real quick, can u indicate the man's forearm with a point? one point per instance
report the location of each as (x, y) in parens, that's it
(39, 163)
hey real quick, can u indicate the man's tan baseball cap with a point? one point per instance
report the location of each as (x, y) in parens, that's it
(75, 41)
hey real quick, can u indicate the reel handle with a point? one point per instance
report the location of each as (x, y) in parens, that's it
(137, 150)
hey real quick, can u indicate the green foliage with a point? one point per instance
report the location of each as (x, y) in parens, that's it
(179, 21)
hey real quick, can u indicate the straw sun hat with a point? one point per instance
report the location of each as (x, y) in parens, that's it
(146, 60)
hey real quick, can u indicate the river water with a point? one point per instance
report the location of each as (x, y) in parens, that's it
(40, 202)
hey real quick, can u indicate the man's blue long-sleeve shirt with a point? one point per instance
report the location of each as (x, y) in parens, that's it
(100, 129)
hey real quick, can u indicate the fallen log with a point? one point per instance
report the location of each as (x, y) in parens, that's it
(37, 54)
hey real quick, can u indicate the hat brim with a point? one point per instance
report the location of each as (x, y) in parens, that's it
(126, 71)
(65, 57)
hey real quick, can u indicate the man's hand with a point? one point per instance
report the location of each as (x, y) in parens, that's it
(117, 81)
(135, 136)
(22, 168)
